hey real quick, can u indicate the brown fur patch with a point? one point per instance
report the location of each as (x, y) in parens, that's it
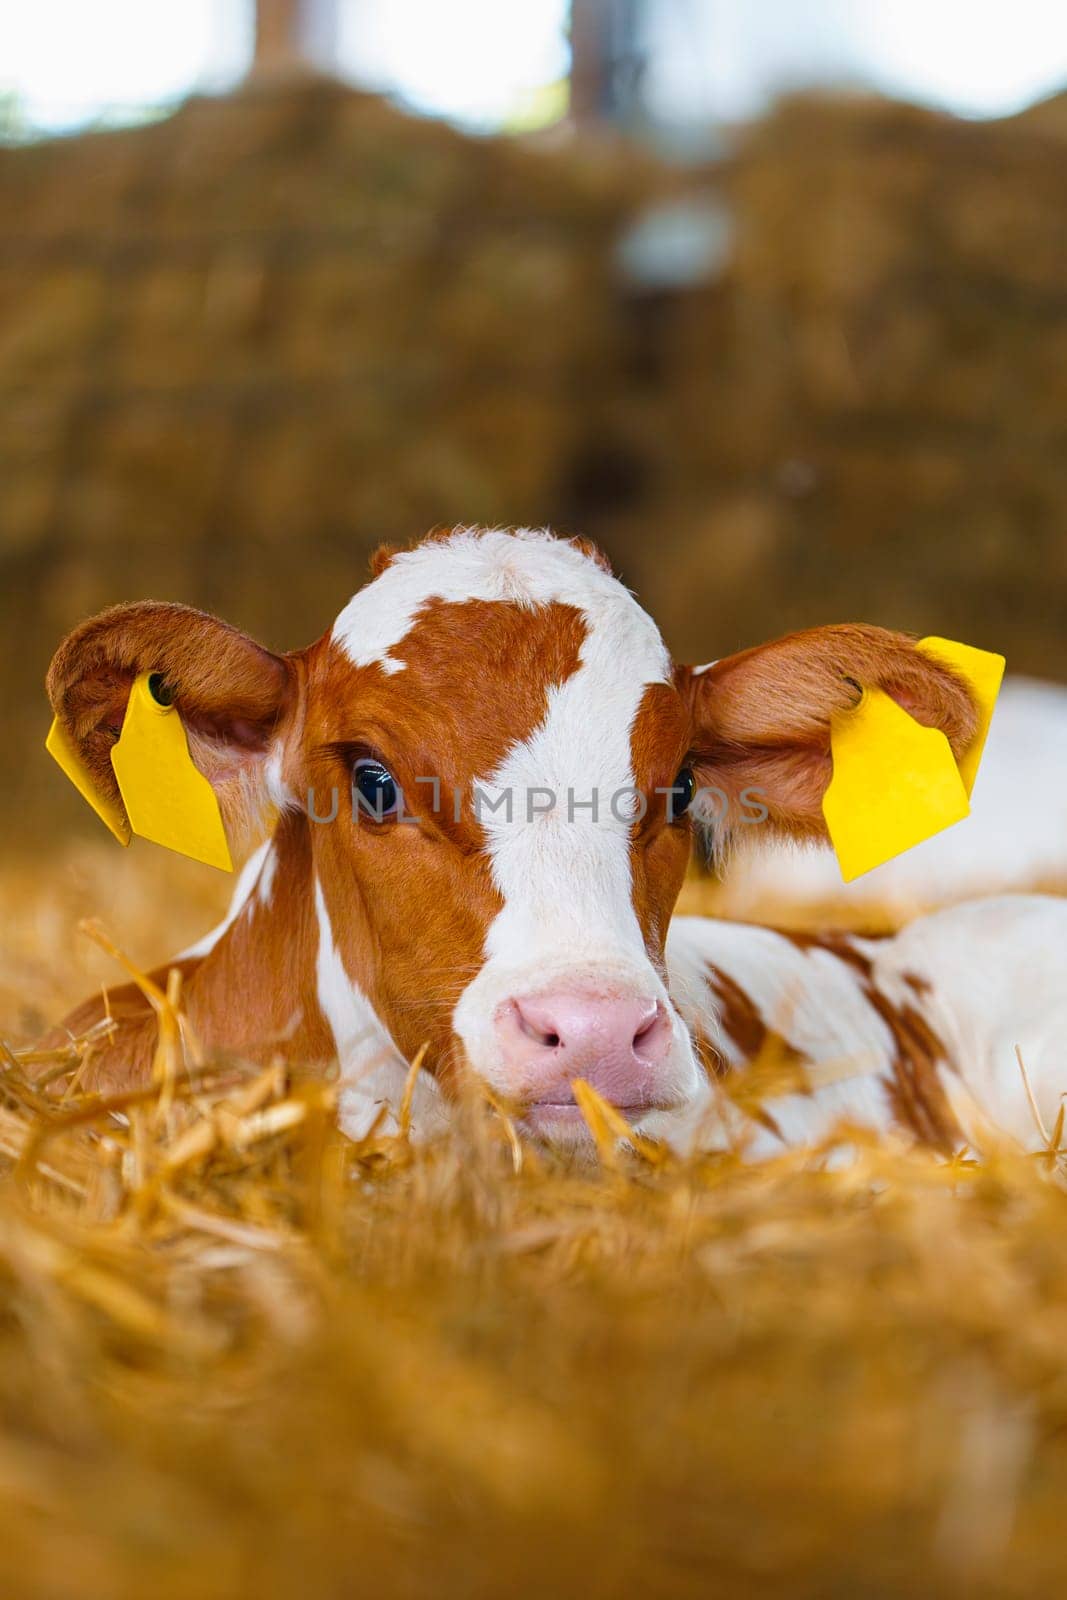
(660, 849)
(253, 995)
(741, 1020)
(841, 945)
(381, 558)
(410, 904)
(916, 1090)
(919, 1056)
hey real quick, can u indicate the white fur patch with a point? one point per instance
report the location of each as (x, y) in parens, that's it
(243, 890)
(278, 792)
(528, 567)
(265, 882)
(565, 876)
(996, 977)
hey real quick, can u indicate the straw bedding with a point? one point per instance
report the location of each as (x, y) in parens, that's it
(241, 1356)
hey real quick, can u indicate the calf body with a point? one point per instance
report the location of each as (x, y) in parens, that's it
(922, 1032)
(485, 778)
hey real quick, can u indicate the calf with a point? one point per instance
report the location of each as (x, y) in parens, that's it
(482, 784)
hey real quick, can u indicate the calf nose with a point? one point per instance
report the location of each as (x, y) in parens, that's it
(549, 1039)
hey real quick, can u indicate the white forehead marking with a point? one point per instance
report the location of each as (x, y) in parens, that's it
(528, 567)
(565, 879)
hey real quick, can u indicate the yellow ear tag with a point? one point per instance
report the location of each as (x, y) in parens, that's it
(61, 748)
(983, 672)
(895, 783)
(167, 798)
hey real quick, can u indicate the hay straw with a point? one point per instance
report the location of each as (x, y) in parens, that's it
(242, 1356)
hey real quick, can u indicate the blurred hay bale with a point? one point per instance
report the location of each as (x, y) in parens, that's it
(241, 347)
(882, 369)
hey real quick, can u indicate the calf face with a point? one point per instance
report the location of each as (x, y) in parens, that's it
(493, 769)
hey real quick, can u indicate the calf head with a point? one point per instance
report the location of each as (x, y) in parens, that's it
(493, 771)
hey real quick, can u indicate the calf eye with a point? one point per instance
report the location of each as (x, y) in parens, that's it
(377, 793)
(681, 794)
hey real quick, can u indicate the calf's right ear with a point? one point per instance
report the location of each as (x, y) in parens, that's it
(233, 696)
(764, 718)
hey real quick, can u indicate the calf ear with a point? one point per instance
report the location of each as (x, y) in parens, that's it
(233, 696)
(762, 717)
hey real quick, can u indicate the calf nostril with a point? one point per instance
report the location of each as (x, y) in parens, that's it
(646, 1028)
(548, 1040)
(652, 1035)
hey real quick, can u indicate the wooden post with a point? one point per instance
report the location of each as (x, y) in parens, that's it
(294, 33)
(588, 59)
(607, 60)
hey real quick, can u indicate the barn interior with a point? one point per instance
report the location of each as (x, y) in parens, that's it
(804, 360)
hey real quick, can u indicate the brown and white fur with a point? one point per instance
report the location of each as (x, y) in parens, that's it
(534, 947)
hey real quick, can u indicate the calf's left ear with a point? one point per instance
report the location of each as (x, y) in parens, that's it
(763, 717)
(232, 696)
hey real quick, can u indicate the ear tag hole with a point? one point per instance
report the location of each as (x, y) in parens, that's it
(160, 690)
